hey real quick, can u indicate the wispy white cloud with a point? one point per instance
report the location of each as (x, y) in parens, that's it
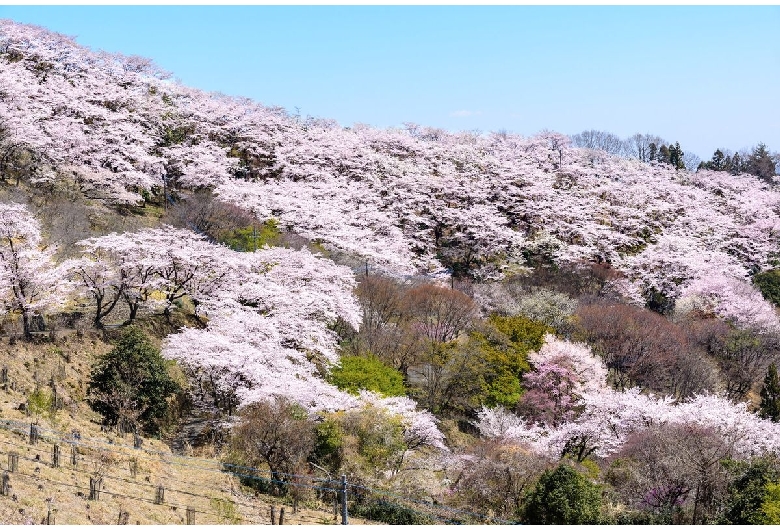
(465, 113)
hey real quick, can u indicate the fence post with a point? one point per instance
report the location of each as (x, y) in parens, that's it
(137, 441)
(281, 515)
(133, 467)
(13, 462)
(6, 484)
(4, 377)
(159, 495)
(33, 432)
(344, 519)
(273, 514)
(94, 488)
(73, 455)
(190, 515)
(50, 515)
(55, 456)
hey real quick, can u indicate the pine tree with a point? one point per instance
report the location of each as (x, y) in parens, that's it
(676, 156)
(652, 151)
(761, 163)
(130, 384)
(770, 395)
(736, 164)
(663, 154)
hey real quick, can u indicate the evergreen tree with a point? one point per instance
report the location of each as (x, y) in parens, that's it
(563, 496)
(130, 384)
(663, 154)
(676, 156)
(652, 151)
(736, 166)
(719, 160)
(747, 492)
(770, 395)
(760, 163)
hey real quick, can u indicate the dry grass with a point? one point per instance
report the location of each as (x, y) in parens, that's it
(37, 487)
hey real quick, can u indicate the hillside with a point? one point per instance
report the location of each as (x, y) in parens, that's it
(418, 310)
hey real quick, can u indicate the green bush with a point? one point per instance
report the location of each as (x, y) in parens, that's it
(770, 508)
(750, 491)
(40, 402)
(769, 284)
(372, 441)
(563, 496)
(131, 384)
(358, 373)
(251, 238)
(504, 356)
(526, 335)
(328, 450)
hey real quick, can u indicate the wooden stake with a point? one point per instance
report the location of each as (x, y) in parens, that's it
(159, 495)
(94, 488)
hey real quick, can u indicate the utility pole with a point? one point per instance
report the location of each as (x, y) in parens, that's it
(344, 499)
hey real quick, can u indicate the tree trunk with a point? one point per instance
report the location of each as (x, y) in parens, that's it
(26, 325)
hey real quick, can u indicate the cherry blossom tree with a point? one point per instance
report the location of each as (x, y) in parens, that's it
(408, 200)
(604, 419)
(30, 282)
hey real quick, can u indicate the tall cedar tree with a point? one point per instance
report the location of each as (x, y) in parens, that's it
(770, 395)
(130, 384)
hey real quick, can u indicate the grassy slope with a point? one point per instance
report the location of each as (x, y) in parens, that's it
(196, 480)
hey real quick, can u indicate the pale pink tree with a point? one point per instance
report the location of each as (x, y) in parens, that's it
(31, 283)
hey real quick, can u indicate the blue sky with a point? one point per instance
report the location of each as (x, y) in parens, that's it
(706, 76)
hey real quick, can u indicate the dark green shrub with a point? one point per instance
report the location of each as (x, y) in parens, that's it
(563, 496)
(770, 395)
(131, 384)
(769, 284)
(747, 492)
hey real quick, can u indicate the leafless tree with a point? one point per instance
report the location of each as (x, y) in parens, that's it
(602, 140)
(276, 433)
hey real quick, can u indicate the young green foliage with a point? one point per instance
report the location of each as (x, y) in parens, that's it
(356, 373)
(504, 347)
(251, 238)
